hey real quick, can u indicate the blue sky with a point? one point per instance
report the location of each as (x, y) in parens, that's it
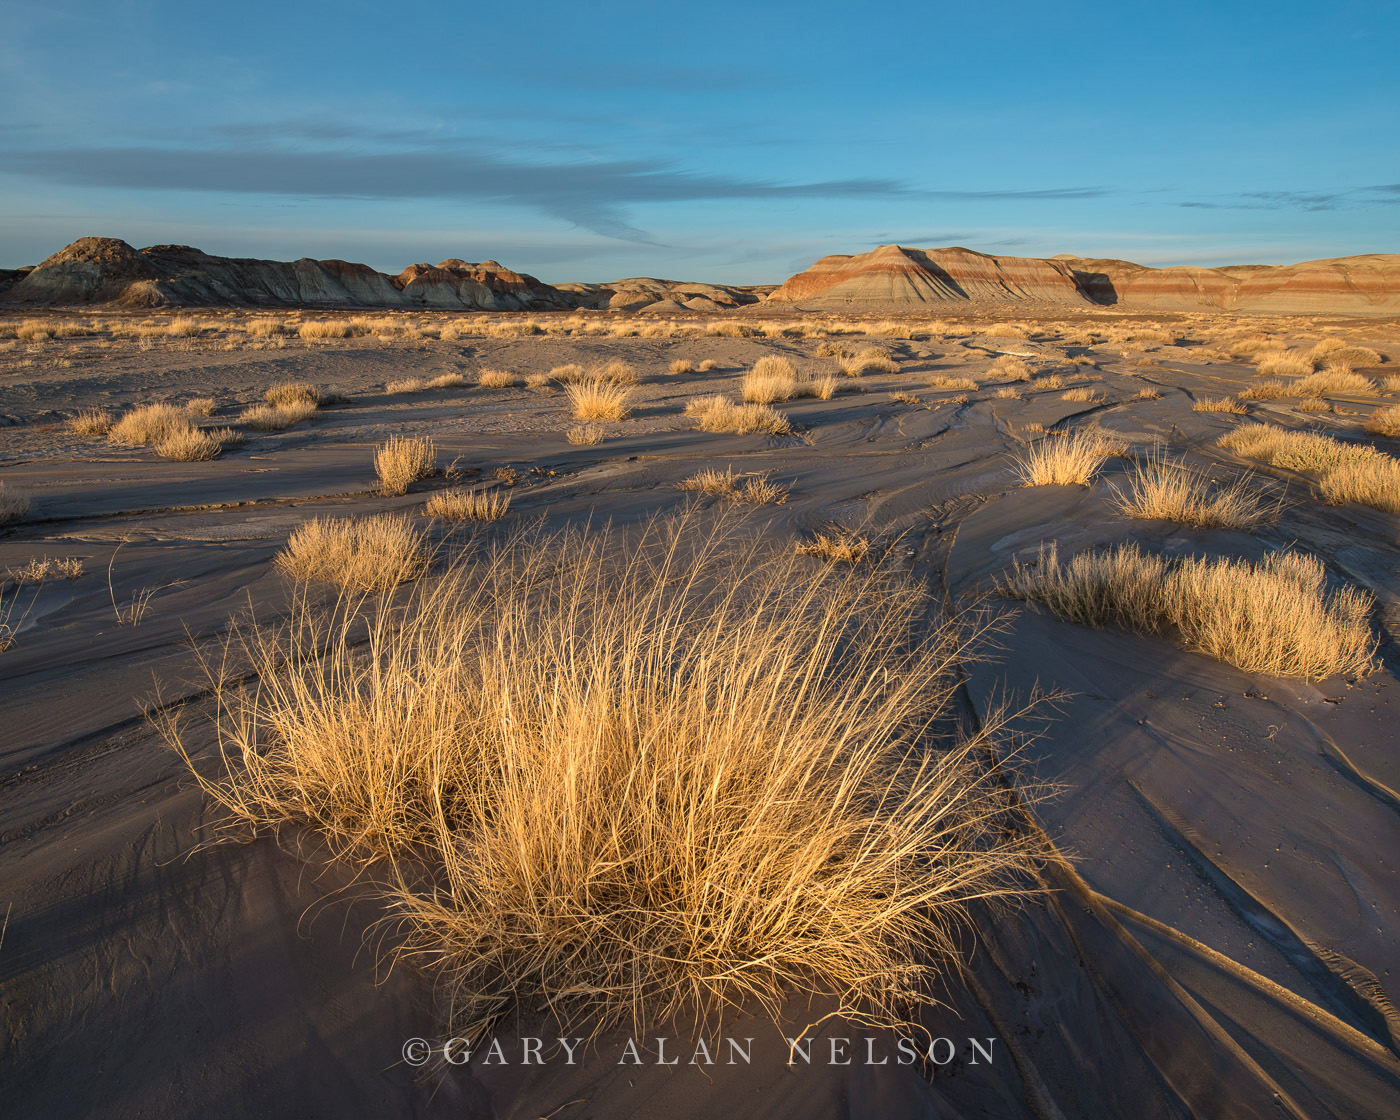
(717, 141)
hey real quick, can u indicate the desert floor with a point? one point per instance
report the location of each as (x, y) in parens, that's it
(1222, 940)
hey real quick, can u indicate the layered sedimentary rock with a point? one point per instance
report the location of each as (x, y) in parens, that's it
(892, 277)
(643, 293)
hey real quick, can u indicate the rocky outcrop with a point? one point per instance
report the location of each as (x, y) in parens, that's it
(643, 293)
(893, 277)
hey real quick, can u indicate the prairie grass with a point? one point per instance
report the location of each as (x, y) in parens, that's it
(597, 399)
(14, 504)
(1069, 459)
(950, 382)
(707, 365)
(361, 555)
(468, 505)
(321, 329)
(772, 379)
(41, 569)
(1010, 368)
(446, 381)
(1385, 421)
(634, 777)
(292, 393)
(1275, 616)
(403, 460)
(404, 385)
(90, 422)
(1166, 489)
(719, 414)
(1219, 404)
(202, 406)
(1082, 395)
(1269, 390)
(190, 445)
(1050, 381)
(1348, 472)
(1284, 363)
(755, 489)
(1334, 379)
(1313, 404)
(836, 547)
(496, 379)
(681, 365)
(150, 424)
(585, 435)
(276, 417)
(869, 359)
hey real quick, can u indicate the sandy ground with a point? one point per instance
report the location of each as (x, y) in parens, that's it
(1221, 938)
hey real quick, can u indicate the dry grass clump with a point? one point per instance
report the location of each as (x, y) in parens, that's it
(13, 504)
(1011, 368)
(719, 414)
(772, 379)
(1006, 330)
(1313, 404)
(870, 359)
(902, 396)
(1082, 395)
(269, 328)
(1166, 489)
(1285, 363)
(756, 489)
(1050, 381)
(193, 445)
(597, 399)
(1334, 379)
(730, 330)
(404, 385)
(707, 365)
(275, 417)
(468, 505)
(681, 365)
(403, 460)
(362, 555)
(292, 393)
(1219, 404)
(1269, 390)
(585, 435)
(150, 424)
(634, 778)
(202, 406)
(40, 569)
(326, 329)
(1147, 395)
(1326, 347)
(837, 547)
(568, 374)
(1357, 356)
(90, 422)
(1068, 459)
(1348, 472)
(1008, 394)
(614, 372)
(446, 381)
(1385, 421)
(1275, 616)
(496, 379)
(35, 330)
(950, 382)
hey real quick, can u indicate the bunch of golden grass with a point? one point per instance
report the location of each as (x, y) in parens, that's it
(1010, 368)
(1348, 472)
(446, 381)
(1006, 330)
(1357, 356)
(598, 399)
(1008, 393)
(634, 778)
(1269, 390)
(772, 378)
(756, 489)
(150, 424)
(496, 379)
(404, 385)
(709, 364)
(568, 374)
(1082, 395)
(1389, 384)
(1285, 363)
(1275, 616)
(870, 359)
(719, 414)
(585, 435)
(730, 330)
(681, 365)
(40, 569)
(1050, 381)
(184, 326)
(202, 406)
(269, 328)
(326, 329)
(403, 460)
(1219, 404)
(1147, 395)
(1385, 421)
(35, 330)
(513, 328)
(1314, 404)
(468, 505)
(902, 396)
(276, 417)
(361, 555)
(90, 422)
(1334, 379)
(191, 445)
(614, 373)
(829, 349)
(1068, 459)
(948, 381)
(13, 503)
(1327, 346)
(292, 393)
(1166, 489)
(836, 547)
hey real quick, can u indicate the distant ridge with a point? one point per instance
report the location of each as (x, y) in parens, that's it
(893, 277)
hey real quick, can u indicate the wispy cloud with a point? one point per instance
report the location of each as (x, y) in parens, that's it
(1300, 200)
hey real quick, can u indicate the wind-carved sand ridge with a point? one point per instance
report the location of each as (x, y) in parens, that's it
(1205, 911)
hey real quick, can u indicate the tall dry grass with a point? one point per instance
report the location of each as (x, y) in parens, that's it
(402, 460)
(1279, 363)
(1348, 472)
(14, 504)
(1385, 421)
(754, 489)
(276, 417)
(634, 777)
(1219, 404)
(150, 424)
(292, 393)
(1068, 459)
(719, 414)
(90, 422)
(1334, 379)
(361, 555)
(772, 379)
(597, 399)
(1163, 488)
(1276, 616)
(468, 505)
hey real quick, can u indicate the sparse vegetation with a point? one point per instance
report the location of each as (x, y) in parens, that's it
(870, 359)
(365, 555)
(150, 424)
(754, 489)
(585, 435)
(1082, 395)
(404, 385)
(446, 381)
(1010, 368)
(598, 399)
(1162, 488)
(719, 414)
(1283, 363)
(707, 365)
(1385, 422)
(276, 417)
(1067, 459)
(323, 329)
(468, 505)
(90, 422)
(1348, 472)
(1269, 390)
(681, 365)
(14, 504)
(293, 394)
(191, 445)
(497, 379)
(403, 460)
(1275, 616)
(1334, 379)
(1219, 404)
(949, 381)
(772, 378)
(41, 569)
(836, 547)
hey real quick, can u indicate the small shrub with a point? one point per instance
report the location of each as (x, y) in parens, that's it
(1385, 422)
(597, 399)
(150, 424)
(40, 569)
(1082, 395)
(275, 418)
(1348, 472)
(202, 406)
(292, 393)
(404, 385)
(447, 381)
(366, 554)
(871, 359)
(614, 373)
(1066, 460)
(90, 422)
(680, 365)
(1050, 381)
(1269, 390)
(1357, 356)
(837, 547)
(190, 445)
(1313, 404)
(1334, 379)
(1160, 488)
(949, 382)
(1282, 363)
(585, 435)
(719, 414)
(1008, 394)
(468, 505)
(496, 379)
(772, 378)
(326, 329)
(1009, 367)
(403, 460)
(1219, 404)
(707, 365)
